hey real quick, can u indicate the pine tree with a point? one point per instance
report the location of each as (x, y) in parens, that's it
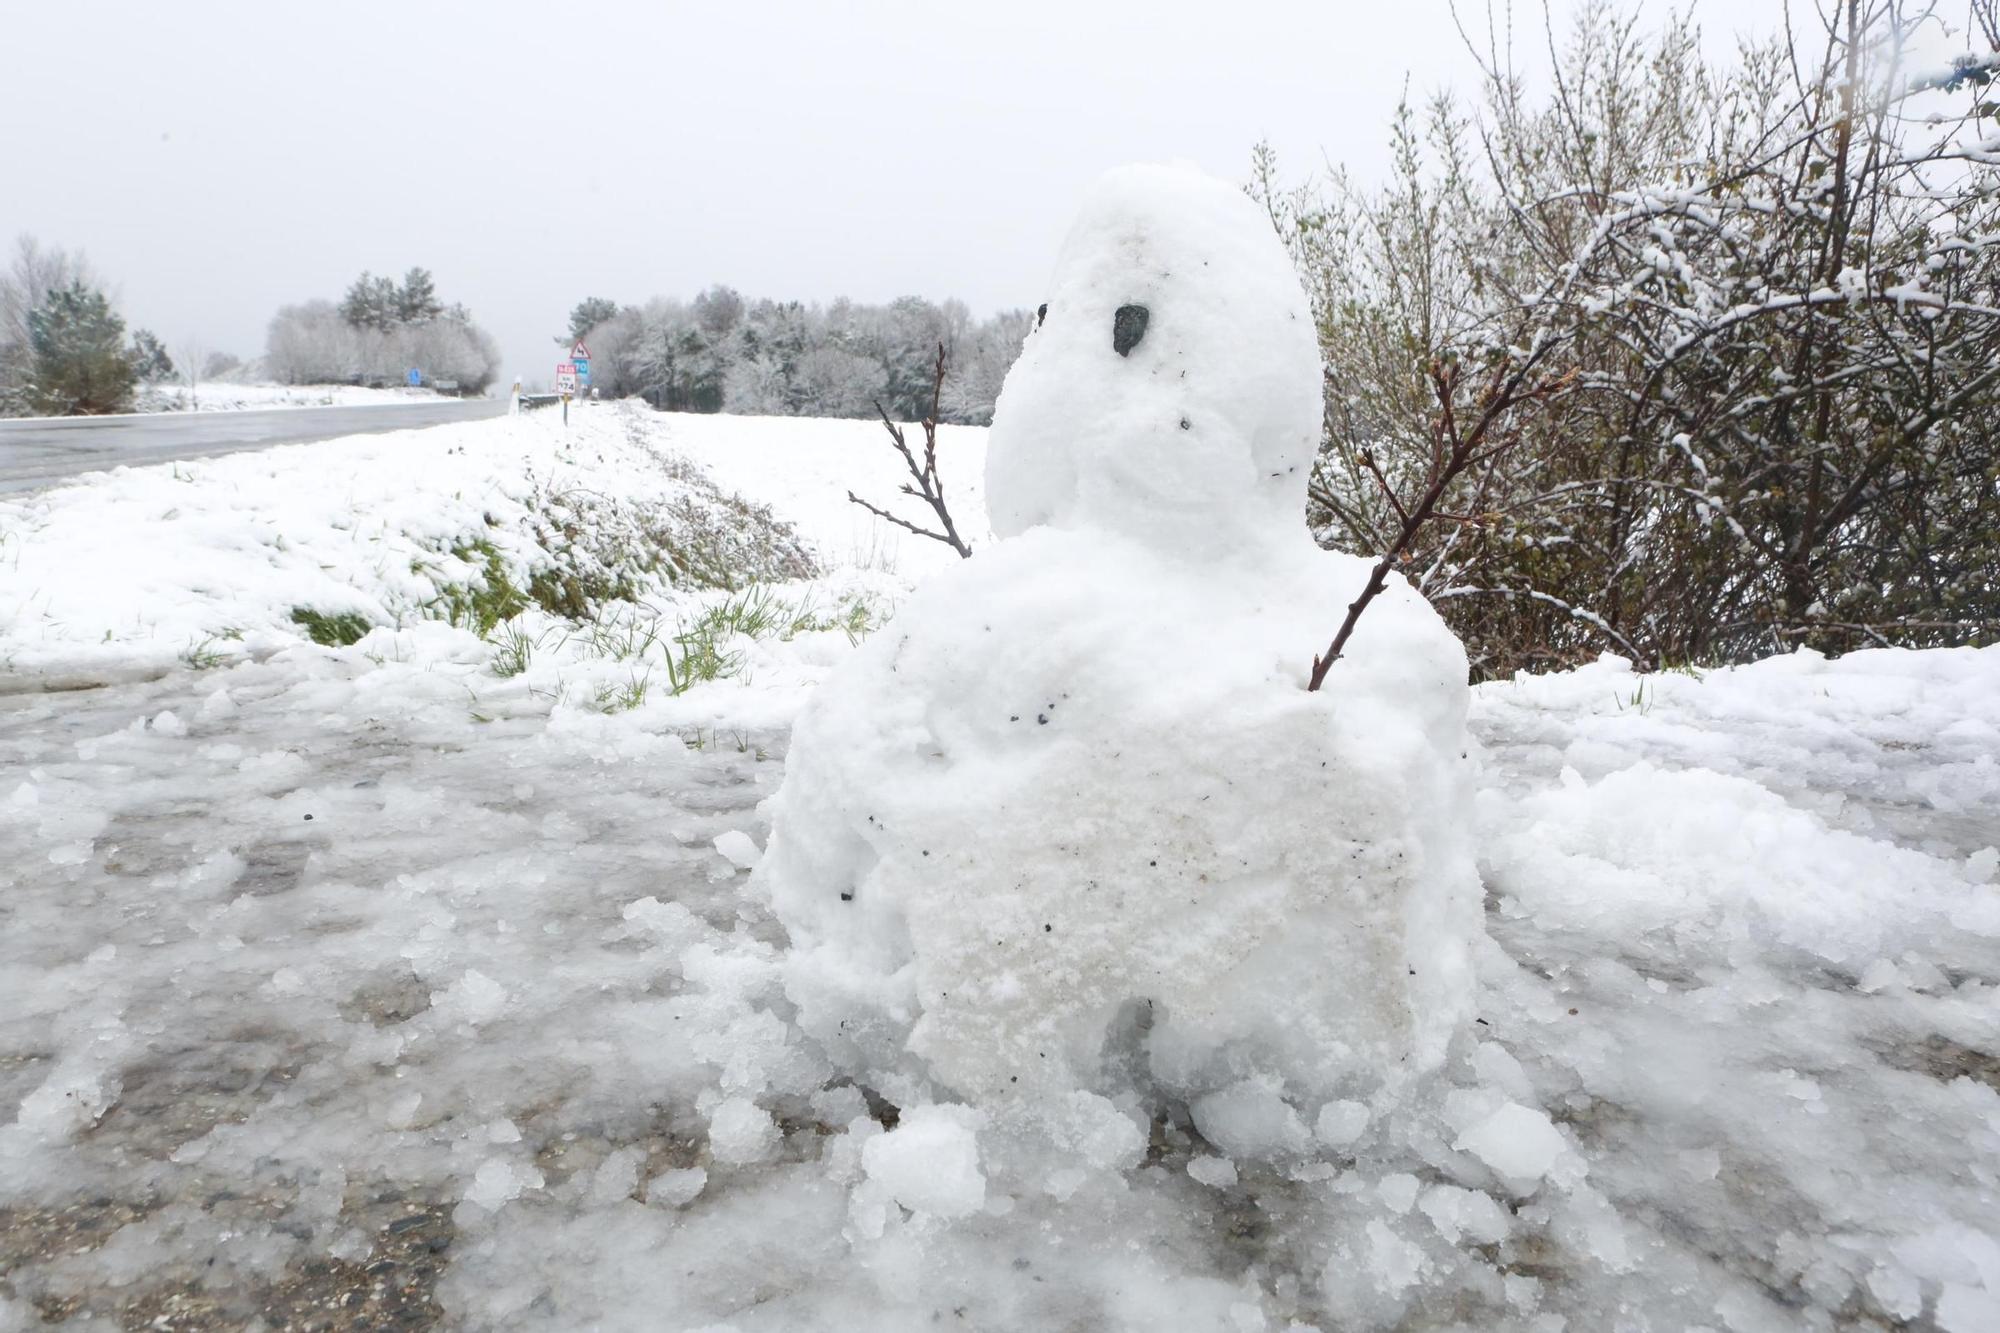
(372, 303)
(79, 364)
(417, 302)
(588, 314)
(150, 361)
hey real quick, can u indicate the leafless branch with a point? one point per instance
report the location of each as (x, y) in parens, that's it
(1453, 452)
(928, 487)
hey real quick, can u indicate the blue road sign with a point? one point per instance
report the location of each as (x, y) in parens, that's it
(416, 377)
(583, 372)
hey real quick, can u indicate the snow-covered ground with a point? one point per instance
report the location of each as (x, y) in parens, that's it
(227, 396)
(418, 980)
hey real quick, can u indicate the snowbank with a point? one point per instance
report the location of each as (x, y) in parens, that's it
(141, 568)
(228, 396)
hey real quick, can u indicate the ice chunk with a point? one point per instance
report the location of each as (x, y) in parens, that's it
(1341, 1123)
(499, 1182)
(1518, 1142)
(474, 998)
(1250, 1120)
(1459, 1212)
(616, 1176)
(1214, 1172)
(1982, 865)
(1963, 1309)
(1398, 1190)
(676, 1187)
(739, 847)
(1878, 976)
(741, 1132)
(167, 724)
(929, 1162)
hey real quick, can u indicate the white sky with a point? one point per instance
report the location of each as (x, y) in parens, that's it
(218, 160)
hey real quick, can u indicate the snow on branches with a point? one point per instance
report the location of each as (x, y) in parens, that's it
(1774, 292)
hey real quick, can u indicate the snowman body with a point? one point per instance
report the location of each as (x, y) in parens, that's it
(1072, 822)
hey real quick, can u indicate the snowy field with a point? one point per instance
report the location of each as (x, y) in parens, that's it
(225, 396)
(420, 981)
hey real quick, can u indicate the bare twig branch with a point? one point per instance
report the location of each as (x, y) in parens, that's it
(929, 488)
(1454, 451)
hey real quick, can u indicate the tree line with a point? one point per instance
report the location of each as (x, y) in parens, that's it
(376, 333)
(721, 353)
(1727, 335)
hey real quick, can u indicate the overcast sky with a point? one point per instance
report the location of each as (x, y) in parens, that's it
(217, 161)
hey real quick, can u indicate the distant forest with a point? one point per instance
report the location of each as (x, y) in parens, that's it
(721, 353)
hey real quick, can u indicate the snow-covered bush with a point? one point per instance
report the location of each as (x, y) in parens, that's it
(1073, 827)
(1771, 292)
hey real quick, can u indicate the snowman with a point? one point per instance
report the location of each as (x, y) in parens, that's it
(1072, 825)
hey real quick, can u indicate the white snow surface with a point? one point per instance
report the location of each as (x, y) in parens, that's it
(314, 959)
(231, 396)
(1074, 824)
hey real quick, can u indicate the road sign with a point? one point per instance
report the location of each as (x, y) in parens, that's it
(416, 377)
(579, 352)
(583, 372)
(565, 377)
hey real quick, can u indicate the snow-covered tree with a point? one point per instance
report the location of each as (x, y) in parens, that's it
(985, 354)
(720, 352)
(377, 332)
(150, 361)
(587, 315)
(31, 275)
(757, 386)
(417, 300)
(372, 303)
(835, 382)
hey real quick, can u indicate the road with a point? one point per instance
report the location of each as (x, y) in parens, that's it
(39, 452)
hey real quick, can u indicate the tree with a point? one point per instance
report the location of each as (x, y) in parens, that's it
(377, 332)
(720, 352)
(193, 354)
(718, 311)
(587, 315)
(34, 272)
(372, 303)
(79, 365)
(986, 354)
(416, 299)
(150, 361)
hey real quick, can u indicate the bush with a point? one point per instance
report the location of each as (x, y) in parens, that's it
(1738, 335)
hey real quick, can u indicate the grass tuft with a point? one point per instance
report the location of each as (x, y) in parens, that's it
(338, 630)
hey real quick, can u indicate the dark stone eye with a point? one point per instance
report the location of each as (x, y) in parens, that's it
(1128, 326)
(1041, 314)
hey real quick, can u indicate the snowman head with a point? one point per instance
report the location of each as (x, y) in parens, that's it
(1170, 389)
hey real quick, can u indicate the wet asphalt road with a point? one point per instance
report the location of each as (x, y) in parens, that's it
(40, 452)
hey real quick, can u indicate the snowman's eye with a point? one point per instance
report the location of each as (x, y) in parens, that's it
(1041, 314)
(1128, 326)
